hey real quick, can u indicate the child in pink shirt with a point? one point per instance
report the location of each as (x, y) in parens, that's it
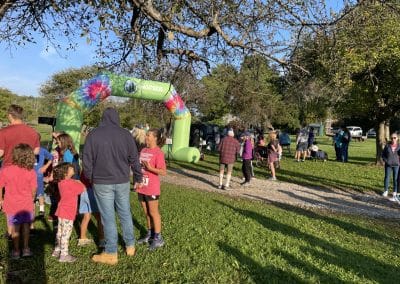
(153, 165)
(20, 182)
(69, 189)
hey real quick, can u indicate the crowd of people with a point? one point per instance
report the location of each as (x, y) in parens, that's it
(97, 184)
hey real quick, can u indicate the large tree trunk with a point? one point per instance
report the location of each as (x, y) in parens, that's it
(382, 137)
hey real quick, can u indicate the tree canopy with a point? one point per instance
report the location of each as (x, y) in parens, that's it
(130, 32)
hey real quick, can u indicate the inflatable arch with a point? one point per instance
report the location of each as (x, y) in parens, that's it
(95, 90)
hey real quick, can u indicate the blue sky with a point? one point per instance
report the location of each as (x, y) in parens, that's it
(24, 68)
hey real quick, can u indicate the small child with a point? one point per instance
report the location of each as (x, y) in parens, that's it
(41, 168)
(153, 165)
(20, 182)
(87, 206)
(66, 211)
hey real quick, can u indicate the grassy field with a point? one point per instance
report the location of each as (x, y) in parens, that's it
(217, 239)
(358, 174)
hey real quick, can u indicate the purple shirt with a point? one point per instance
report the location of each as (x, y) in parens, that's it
(247, 150)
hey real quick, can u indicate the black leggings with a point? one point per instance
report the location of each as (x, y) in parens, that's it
(246, 169)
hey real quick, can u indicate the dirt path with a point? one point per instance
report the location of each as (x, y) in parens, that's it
(278, 192)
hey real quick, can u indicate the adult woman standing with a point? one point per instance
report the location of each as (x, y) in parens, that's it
(390, 156)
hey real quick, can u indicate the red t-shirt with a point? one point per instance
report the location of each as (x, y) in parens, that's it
(151, 181)
(20, 184)
(69, 190)
(13, 135)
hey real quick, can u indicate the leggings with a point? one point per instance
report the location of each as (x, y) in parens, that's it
(63, 234)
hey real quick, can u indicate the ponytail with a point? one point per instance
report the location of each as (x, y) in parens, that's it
(160, 136)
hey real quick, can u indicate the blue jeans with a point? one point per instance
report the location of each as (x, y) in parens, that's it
(395, 172)
(108, 197)
(345, 152)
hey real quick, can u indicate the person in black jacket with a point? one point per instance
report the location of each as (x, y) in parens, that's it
(390, 156)
(108, 154)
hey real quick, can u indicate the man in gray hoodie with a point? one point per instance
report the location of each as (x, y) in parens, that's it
(109, 153)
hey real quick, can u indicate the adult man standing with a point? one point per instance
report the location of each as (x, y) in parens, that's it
(228, 148)
(15, 133)
(108, 154)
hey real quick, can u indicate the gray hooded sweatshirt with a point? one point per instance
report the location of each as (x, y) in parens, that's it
(110, 151)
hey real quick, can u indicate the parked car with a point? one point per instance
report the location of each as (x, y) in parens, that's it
(355, 131)
(371, 133)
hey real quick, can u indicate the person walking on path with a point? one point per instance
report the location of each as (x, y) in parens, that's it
(247, 156)
(273, 149)
(390, 156)
(228, 148)
(108, 154)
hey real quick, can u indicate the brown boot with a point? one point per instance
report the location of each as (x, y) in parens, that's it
(106, 258)
(130, 251)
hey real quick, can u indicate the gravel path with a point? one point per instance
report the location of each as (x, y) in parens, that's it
(278, 192)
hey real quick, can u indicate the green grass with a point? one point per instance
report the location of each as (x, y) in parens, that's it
(359, 174)
(216, 239)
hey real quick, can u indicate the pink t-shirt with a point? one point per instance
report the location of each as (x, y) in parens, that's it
(69, 190)
(20, 184)
(151, 181)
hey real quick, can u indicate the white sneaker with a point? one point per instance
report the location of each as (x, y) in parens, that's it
(220, 186)
(227, 187)
(385, 193)
(394, 198)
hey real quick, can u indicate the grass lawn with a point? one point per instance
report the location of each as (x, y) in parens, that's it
(211, 238)
(216, 239)
(359, 174)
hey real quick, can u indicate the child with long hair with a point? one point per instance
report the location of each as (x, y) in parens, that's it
(20, 182)
(69, 189)
(153, 165)
(68, 152)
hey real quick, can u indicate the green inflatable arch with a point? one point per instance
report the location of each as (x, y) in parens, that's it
(95, 90)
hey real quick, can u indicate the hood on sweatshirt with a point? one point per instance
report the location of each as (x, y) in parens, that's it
(110, 117)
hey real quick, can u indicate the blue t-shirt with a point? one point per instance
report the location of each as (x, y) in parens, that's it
(43, 155)
(68, 157)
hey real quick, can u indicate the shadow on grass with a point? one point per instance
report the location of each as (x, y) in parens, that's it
(325, 182)
(181, 172)
(198, 168)
(324, 251)
(32, 269)
(257, 272)
(346, 226)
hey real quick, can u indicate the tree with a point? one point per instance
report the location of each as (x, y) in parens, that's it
(364, 61)
(134, 31)
(216, 89)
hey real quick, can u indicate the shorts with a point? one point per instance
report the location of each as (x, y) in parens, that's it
(229, 166)
(147, 198)
(19, 218)
(302, 146)
(87, 202)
